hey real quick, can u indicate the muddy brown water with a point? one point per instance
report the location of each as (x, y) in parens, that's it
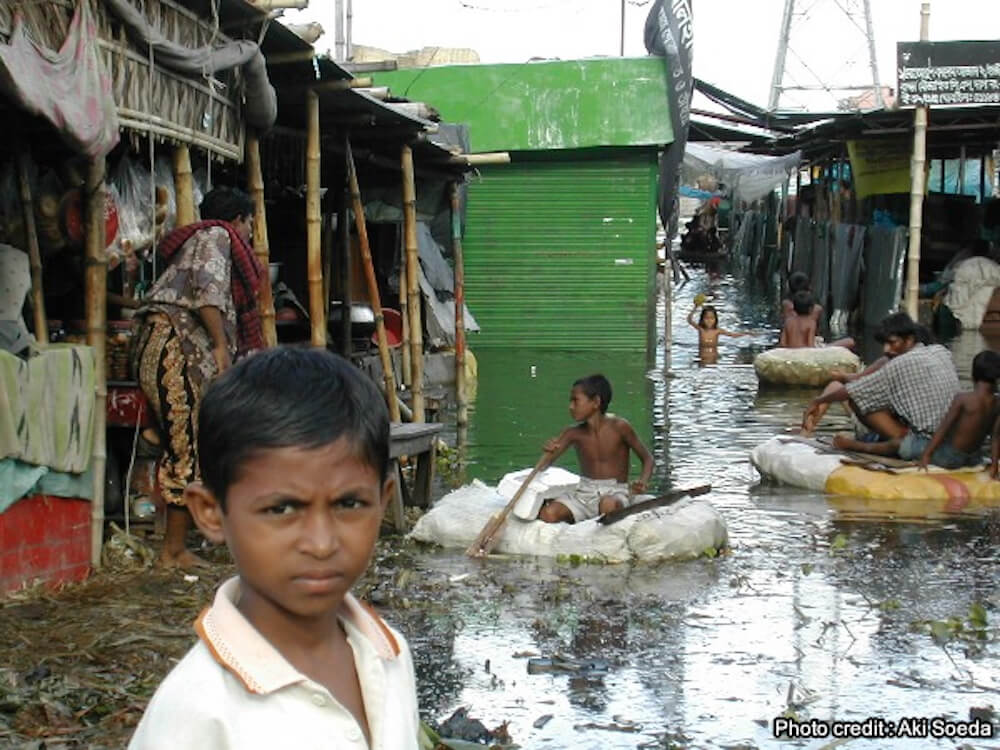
(812, 613)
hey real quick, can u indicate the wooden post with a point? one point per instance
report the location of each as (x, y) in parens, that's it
(184, 187)
(317, 306)
(261, 246)
(95, 291)
(373, 293)
(34, 252)
(412, 284)
(917, 187)
(404, 313)
(345, 293)
(456, 247)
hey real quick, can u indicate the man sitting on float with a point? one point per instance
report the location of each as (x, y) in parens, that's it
(900, 404)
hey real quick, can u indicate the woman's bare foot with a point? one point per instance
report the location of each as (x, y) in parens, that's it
(184, 560)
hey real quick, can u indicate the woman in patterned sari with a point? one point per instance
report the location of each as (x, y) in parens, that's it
(197, 318)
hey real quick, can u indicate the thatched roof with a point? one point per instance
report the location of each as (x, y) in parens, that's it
(203, 113)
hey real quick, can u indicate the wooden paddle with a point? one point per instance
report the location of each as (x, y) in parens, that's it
(657, 502)
(490, 535)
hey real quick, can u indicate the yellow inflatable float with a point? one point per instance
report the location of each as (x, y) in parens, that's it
(908, 490)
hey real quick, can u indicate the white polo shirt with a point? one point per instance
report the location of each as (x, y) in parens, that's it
(234, 690)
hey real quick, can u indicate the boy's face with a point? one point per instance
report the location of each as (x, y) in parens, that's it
(301, 526)
(581, 406)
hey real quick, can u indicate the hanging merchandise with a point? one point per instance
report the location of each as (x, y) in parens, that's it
(141, 223)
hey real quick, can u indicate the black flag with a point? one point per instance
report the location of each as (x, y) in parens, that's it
(668, 33)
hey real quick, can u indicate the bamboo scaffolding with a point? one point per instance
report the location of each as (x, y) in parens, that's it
(95, 290)
(34, 252)
(261, 246)
(314, 247)
(917, 187)
(413, 287)
(456, 247)
(373, 294)
(184, 186)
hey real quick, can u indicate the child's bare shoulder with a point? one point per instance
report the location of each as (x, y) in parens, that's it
(620, 423)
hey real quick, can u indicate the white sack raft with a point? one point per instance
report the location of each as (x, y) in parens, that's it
(683, 530)
(807, 367)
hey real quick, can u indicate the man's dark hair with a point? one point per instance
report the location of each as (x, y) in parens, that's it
(898, 324)
(225, 204)
(596, 386)
(802, 302)
(925, 335)
(285, 398)
(986, 366)
(798, 282)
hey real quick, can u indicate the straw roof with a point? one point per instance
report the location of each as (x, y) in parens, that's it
(204, 113)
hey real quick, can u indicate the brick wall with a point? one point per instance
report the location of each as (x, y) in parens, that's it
(46, 539)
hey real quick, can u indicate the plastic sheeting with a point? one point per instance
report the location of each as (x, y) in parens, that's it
(883, 258)
(261, 101)
(970, 290)
(750, 176)
(682, 531)
(845, 273)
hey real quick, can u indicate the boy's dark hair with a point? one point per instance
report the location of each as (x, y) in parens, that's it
(986, 366)
(802, 302)
(225, 204)
(898, 324)
(798, 282)
(596, 386)
(284, 398)
(708, 309)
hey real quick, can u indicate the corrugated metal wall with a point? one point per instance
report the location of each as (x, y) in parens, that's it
(561, 254)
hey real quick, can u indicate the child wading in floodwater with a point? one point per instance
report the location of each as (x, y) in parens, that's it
(602, 443)
(708, 327)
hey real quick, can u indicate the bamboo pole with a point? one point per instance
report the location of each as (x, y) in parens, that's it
(184, 186)
(95, 291)
(404, 313)
(34, 252)
(261, 246)
(346, 293)
(456, 247)
(412, 284)
(917, 186)
(314, 248)
(373, 293)
(329, 243)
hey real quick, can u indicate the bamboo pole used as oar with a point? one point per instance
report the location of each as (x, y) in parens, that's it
(413, 285)
(34, 251)
(489, 537)
(314, 249)
(373, 294)
(184, 186)
(657, 502)
(261, 246)
(95, 290)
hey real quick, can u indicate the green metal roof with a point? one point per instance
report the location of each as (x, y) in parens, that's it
(559, 104)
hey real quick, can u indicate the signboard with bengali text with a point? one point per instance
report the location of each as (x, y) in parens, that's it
(948, 73)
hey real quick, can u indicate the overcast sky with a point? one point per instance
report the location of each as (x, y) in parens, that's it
(735, 40)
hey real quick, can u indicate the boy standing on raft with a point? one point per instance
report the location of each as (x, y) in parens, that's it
(602, 443)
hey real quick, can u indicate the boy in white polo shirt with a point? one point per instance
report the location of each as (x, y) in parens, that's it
(293, 447)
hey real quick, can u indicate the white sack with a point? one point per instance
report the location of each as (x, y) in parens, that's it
(680, 531)
(794, 463)
(806, 366)
(549, 484)
(969, 293)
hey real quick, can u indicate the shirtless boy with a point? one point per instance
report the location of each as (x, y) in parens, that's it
(799, 330)
(602, 443)
(959, 438)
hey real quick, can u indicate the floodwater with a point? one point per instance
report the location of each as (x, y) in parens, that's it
(817, 612)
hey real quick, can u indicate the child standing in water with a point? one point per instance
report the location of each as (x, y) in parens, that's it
(602, 443)
(708, 327)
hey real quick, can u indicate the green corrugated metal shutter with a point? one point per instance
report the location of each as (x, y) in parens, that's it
(562, 254)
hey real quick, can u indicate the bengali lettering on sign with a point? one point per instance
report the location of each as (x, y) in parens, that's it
(935, 73)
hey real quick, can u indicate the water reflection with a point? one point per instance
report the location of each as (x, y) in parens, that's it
(817, 608)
